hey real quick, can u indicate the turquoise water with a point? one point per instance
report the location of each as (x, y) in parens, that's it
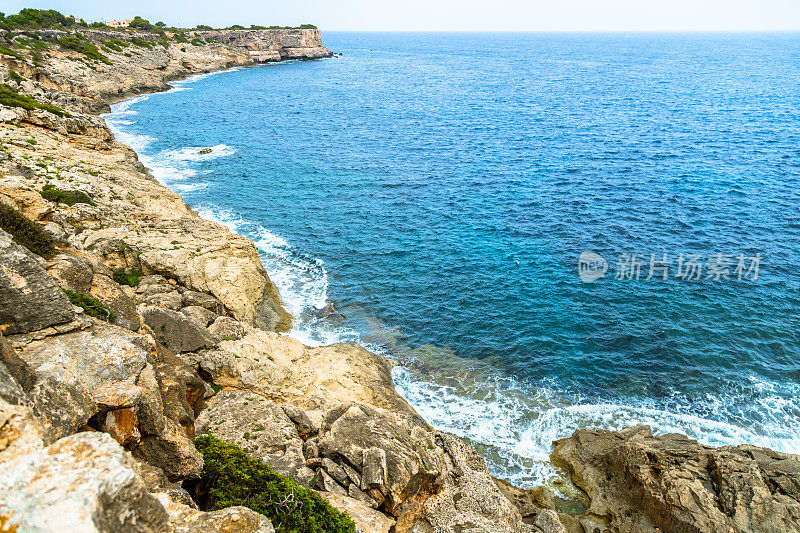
(440, 188)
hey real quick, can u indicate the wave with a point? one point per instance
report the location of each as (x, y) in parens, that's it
(511, 423)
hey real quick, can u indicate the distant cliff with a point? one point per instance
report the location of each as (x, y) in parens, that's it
(102, 65)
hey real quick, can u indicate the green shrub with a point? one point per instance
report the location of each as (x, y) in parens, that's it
(9, 52)
(11, 98)
(197, 42)
(16, 77)
(84, 46)
(90, 305)
(230, 477)
(26, 232)
(123, 277)
(54, 194)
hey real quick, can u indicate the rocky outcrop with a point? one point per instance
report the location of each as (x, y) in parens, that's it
(283, 369)
(30, 299)
(83, 482)
(638, 482)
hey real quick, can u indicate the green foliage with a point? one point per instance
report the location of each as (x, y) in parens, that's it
(160, 24)
(26, 232)
(90, 305)
(11, 53)
(37, 18)
(142, 43)
(14, 76)
(197, 42)
(203, 27)
(82, 45)
(230, 477)
(54, 194)
(142, 24)
(11, 98)
(307, 27)
(235, 27)
(123, 277)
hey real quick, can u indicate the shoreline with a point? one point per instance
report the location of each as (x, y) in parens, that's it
(128, 232)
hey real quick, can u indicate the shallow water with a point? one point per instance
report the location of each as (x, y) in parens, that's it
(439, 188)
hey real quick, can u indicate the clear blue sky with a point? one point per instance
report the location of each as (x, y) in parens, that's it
(450, 15)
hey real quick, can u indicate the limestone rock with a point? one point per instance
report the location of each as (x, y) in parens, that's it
(367, 520)
(21, 432)
(31, 299)
(281, 368)
(175, 331)
(114, 298)
(71, 272)
(78, 372)
(201, 315)
(83, 482)
(225, 329)
(185, 519)
(258, 426)
(638, 482)
(171, 451)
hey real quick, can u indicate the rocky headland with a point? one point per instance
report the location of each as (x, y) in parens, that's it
(131, 326)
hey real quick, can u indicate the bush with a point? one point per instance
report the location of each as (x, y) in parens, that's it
(142, 24)
(11, 53)
(54, 194)
(26, 232)
(11, 98)
(90, 305)
(79, 44)
(14, 76)
(38, 18)
(230, 477)
(123, 277)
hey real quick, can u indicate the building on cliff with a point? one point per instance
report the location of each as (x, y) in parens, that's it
(119, 23)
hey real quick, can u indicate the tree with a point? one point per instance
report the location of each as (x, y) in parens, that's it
(161, 24)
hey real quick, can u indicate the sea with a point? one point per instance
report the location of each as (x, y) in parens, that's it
(545, 231)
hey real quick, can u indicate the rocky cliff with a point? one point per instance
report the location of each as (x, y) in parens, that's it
(130, 325)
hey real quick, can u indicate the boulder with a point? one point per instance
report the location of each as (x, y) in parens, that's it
(225, 329)
(281, 368)
(200, 299)
(258, 426)
(113, 297)
(82, 373)
(21, 432)
(185, 519)
(168, 300)
(31, 299)
(182, 389)
(172, 452)
(71, 272)
(175, 331)
(367, 520)
(201, 315)
(83, 482)
(638, 482)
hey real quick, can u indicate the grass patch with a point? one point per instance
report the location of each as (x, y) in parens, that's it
(90, 305)
(54, 194)
(230, 477)
(123, 277)
(11, 98)
(26, 232)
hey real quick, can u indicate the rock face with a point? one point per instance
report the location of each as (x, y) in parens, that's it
(272, 436)
(641, 483)
(281, 368)
(84, 482)
(31, 299)
(175, 331)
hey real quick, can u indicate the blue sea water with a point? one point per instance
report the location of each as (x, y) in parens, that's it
(439, 188)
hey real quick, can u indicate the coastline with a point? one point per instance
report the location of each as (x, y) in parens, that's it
(226, 371)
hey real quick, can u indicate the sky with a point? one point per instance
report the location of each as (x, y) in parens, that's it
(448, 15)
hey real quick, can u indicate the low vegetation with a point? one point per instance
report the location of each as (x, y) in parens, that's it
(11, 98)
(123, 277)
(90, 305)
(230, 477)
(54, 194)
(82, 45)
(26, 232)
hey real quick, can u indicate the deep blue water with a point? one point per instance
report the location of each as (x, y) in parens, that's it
(439, 189)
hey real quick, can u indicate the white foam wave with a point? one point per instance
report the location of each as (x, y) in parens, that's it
(517, 427)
